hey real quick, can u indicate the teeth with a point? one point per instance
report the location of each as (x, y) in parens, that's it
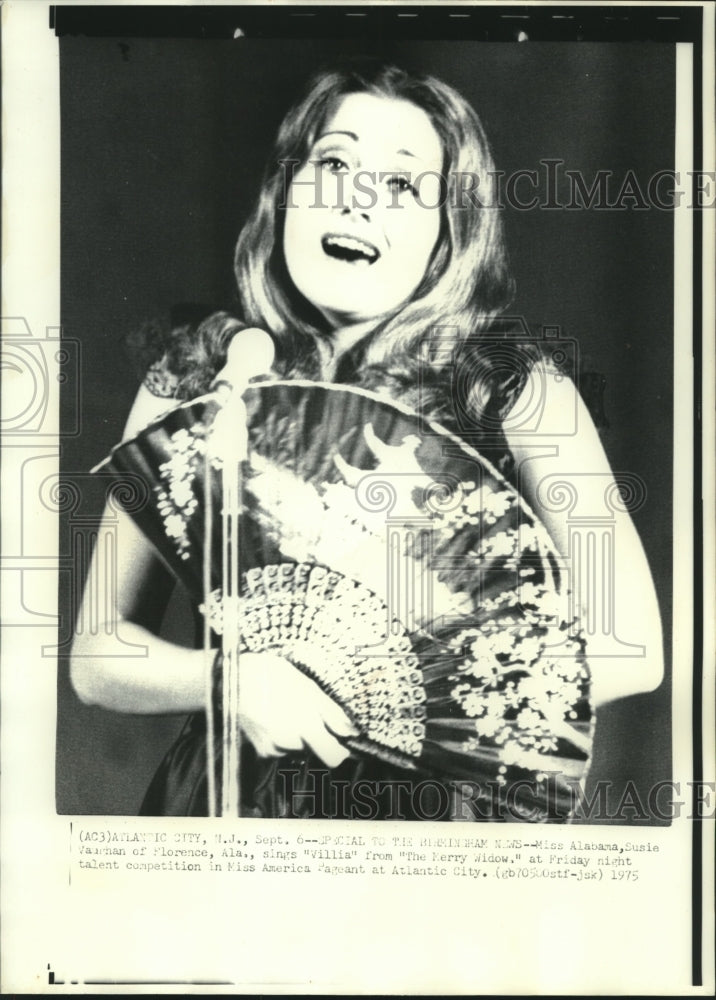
(352, 246)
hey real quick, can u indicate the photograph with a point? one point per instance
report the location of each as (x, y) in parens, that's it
(358, 499)
(446, 267)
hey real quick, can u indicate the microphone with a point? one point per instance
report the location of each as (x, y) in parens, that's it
(250, 353)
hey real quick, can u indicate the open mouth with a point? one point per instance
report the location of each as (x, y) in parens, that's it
(350, 249)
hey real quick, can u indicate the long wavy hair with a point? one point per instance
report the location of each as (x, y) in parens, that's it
(467, 284)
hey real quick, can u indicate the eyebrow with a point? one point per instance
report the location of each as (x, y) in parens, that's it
(354, 136)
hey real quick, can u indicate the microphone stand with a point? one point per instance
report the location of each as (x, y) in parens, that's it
(250, 354)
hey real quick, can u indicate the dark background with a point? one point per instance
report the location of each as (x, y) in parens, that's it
(163, 144)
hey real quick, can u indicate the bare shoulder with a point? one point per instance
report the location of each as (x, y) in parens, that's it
(562, 451)
(551, 421)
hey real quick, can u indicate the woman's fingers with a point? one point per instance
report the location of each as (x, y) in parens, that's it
(335, 719)
(326, 746)
(332, 721)
(284, 710)
(271, 742)
(315, 735)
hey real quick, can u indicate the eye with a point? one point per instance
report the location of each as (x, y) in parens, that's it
(401, 183)
(334, 164)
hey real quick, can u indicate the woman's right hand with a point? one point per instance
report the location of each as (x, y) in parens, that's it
(281, 709)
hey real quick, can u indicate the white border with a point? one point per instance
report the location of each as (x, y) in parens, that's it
(561, 939)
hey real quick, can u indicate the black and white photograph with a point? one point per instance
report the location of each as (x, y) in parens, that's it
(374, 479)
(472, 585)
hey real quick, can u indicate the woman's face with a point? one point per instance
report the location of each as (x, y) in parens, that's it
(359, 232)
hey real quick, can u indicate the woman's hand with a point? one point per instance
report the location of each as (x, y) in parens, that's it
(281, 709)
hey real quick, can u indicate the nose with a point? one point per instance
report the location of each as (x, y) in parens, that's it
(356, 195)
(354, 212)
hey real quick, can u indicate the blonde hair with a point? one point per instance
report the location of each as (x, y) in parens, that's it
(466, 286)
(467, 282)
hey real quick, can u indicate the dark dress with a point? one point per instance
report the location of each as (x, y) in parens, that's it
(300, 786)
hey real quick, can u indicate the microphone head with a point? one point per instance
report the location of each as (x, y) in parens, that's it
(251, 353)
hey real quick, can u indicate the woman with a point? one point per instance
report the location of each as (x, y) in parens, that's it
(370, 263)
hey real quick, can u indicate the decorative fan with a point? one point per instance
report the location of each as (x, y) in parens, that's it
(395, 566)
